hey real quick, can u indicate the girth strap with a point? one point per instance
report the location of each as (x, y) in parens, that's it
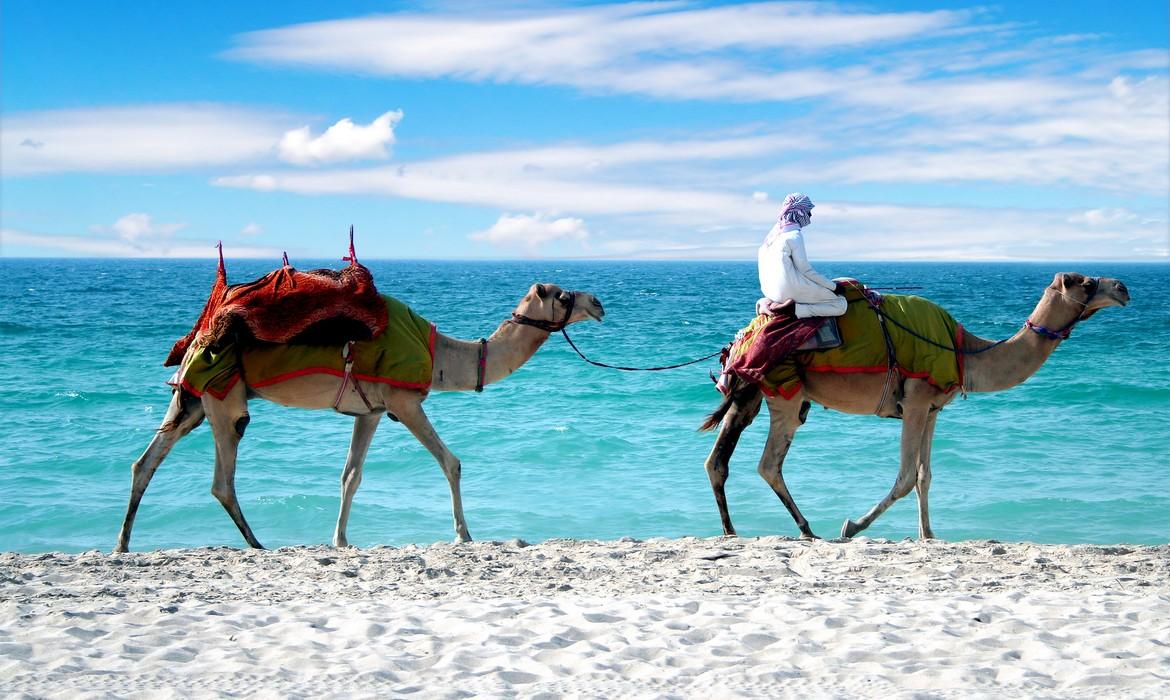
(346, 378)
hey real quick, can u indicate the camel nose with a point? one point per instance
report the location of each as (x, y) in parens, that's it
(1123, 291)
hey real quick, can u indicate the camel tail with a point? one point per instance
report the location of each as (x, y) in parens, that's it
(716, 417)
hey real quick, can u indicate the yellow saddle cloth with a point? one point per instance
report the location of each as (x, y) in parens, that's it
(402, 356)
(863, 347)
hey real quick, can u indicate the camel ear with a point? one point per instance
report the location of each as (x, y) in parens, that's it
(541, 291)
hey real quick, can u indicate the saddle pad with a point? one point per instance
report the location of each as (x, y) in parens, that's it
(401, 356)
(863, 347)
(279, 306)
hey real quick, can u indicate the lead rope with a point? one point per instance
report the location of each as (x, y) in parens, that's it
(636, 369)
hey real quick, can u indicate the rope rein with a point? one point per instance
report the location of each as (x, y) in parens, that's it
(552, 327)
(636, 369)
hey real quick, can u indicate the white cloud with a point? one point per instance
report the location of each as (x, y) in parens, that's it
(759, 196)
(1104, 217)
(532, 231)
(138, 228)
(342, 141)
(583, 47)
(252, 229)
(136, 139)
(117, 247)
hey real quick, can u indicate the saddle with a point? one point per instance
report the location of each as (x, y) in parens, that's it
(317, 307)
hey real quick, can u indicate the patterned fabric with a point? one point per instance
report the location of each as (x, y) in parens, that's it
(402, 356)
(796, 209)
(864, 347)
(281, 305)
(765, 343)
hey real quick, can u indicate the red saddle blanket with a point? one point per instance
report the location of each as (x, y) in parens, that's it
(286, 303)
(766, 342)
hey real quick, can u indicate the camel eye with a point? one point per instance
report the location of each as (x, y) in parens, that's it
(563, 297)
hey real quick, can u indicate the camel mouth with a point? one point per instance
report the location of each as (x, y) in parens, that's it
(595, 314)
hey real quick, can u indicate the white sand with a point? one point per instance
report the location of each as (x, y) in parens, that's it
(710, 618)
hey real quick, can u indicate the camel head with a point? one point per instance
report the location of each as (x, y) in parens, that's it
(1091, 293)
(551, 308)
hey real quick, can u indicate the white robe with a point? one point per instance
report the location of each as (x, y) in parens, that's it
(785, 273)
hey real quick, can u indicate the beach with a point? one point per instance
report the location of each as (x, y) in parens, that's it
(688, 617)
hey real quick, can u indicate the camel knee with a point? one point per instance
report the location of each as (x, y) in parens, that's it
(453, 468)
(902, 487)
(717, 470)
(224, 492)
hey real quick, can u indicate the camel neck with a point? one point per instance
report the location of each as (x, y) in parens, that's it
(1012, 362)
(456, 365)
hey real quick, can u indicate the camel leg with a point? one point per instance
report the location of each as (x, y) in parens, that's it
(228, 419)
(412, 416)
(785, 416)
(181, 418)
(915, 416)
(923, 485)
(745, 405)
(363, 435)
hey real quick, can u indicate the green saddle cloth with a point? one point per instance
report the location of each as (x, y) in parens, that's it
(863, 348)
(402, 356)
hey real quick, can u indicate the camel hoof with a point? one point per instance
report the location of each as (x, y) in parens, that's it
(808, 536)
(849, 529)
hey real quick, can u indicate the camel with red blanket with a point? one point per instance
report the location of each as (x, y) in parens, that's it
(454, 365)
(891, 391)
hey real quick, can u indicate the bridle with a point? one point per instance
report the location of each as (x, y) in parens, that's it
(522, 320)
(548, 326)
(1064, 332)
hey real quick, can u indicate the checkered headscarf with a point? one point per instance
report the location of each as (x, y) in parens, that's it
(797, 209)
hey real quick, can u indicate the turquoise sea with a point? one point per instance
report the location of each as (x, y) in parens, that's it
(1079, 453)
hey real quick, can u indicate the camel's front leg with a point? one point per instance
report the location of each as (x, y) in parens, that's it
(745, 404)
(363, 435)
(412, 416)
(915, 416)
(182, 417)
(228, 419)
(923, 485)
(785, 416)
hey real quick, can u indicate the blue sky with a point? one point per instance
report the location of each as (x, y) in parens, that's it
(923, 131)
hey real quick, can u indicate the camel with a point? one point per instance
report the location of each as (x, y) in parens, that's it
(458, 366)
(989, 366)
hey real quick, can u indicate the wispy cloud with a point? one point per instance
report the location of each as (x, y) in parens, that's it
(532, 232)
(342, 141)
(142, 229)
(665, 49)
(136, 139)
(178, 137)
(118, 247)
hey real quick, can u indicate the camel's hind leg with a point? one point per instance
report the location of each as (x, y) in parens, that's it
(923, 485)
(411, 414)
(744, 405)
(183, 415)
(916, 416)
(785, 416)
(228, 419)
(363, 435)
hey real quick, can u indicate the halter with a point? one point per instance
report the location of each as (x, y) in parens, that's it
(548, 326)
(1064, 332)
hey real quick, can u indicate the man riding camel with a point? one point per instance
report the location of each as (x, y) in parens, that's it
(785, 273)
